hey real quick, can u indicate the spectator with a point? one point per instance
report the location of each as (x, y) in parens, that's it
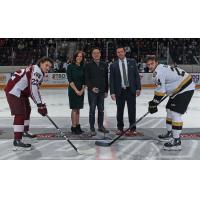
(182, 51)
(65, 65)
(56, 66)
(21, 45)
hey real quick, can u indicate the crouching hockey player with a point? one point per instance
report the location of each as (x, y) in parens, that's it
(178, 85)
(22, 85)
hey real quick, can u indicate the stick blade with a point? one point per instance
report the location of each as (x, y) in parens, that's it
(102, 143)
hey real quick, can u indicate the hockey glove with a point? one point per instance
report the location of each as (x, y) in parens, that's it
(153, 107)
(42, 109)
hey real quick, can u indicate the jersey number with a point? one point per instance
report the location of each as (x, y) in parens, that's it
(18, 73)
(178, 71)
(34, 82)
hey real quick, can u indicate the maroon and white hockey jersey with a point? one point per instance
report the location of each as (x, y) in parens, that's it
(26, 82)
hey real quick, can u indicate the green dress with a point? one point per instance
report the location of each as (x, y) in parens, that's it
(76, 75)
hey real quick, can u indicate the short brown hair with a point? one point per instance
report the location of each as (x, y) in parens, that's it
(45, 59)
(120, 47)
(75, 56)
(151, 57)
(95, 48)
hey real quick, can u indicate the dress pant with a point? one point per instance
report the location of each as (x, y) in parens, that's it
(96, 100)
(129, 97)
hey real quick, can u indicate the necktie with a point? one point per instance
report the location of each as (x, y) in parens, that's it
(125, 78)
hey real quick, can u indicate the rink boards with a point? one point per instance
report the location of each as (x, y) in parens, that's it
(59, 80)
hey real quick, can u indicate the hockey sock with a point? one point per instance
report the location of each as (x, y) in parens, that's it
(169, 120)
(27, 119)
(26, 125)
(18, 126)
(177, 124)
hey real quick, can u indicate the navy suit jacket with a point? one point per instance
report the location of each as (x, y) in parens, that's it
(133, 77)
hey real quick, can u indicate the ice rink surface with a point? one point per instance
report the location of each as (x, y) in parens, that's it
(127, 148)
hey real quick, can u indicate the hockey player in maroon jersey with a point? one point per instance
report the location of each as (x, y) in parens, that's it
(23, 84)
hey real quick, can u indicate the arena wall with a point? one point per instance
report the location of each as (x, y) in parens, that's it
(59, 80)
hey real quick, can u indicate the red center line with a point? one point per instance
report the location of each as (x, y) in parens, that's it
(111, 149)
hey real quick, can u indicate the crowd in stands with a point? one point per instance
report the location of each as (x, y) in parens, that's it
(183, 51)
(27, 51)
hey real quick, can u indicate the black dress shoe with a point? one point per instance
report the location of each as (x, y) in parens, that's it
(92, 132)
(79, 128)
(103, 130)
(75, 131)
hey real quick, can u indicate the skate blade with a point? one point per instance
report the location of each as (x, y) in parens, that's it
(22, 149)
(178, 148)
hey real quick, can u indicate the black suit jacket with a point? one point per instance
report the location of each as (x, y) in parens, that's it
(133, 77)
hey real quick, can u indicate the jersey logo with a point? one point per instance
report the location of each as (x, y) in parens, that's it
(37, 75)
(158, 82)
(154, 74)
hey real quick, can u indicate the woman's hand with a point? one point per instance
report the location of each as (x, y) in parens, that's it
(79, 93)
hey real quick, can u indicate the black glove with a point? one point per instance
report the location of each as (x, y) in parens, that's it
(42, 109)
(153, 107)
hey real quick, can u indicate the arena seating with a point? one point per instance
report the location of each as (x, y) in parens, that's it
(15, 51)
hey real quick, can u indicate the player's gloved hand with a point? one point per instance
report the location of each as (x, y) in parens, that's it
(153, 107)
(42, 109)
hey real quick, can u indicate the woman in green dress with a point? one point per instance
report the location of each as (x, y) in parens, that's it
(75, 75)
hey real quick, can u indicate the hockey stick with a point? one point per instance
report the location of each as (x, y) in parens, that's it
(81, 152)
(107, 144)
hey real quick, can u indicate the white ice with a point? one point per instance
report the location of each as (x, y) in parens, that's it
(58, 106)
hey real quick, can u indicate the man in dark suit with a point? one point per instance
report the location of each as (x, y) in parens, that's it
(125, 85)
